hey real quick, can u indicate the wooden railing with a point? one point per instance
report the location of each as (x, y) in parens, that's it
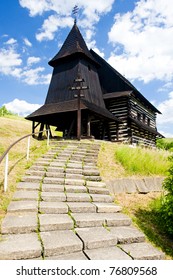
(6, 153)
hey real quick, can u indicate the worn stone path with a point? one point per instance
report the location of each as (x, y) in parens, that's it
(62, 210)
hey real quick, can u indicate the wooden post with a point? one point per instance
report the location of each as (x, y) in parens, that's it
(78, 117)
(89, 127)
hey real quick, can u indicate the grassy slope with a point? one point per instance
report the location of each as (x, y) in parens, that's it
(11, 129)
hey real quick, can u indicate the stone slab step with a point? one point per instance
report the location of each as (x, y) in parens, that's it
(51, 180)
(35, 173)
(96, 237)
(75, 182)
(101, 198)
(34, 179)
(22, 206)
(102, 207)
(128, 234)
(93, 178)
(20, 247)
(78, 197)
(91, 172)
(75, 189)
(28, 186)
(81, 207)
(142, 251)
(57, 164)
(37, 167)
(111, 253)
(53, 196)
(60, 243)
(98, 190)
(55, 174)
(53, 207)
(74, 176)
(25, 195)
(99, 219)
(19, 224)
(52, 188)
(95, 184)
(72, 256)
(55, 169)
(49, 222)
(74, 165)
(73, 171)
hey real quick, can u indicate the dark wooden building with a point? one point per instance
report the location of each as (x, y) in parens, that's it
(89, 98)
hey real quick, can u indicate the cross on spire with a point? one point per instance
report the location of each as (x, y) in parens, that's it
(75, 12)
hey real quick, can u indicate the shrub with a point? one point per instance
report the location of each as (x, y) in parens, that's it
(167, 201)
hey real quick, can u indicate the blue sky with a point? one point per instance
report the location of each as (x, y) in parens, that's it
(134, 36)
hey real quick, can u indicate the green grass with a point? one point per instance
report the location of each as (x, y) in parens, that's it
(142, 161)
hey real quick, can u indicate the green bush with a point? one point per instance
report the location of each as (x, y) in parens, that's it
(5, 112)
(165, 144)
(167, 201)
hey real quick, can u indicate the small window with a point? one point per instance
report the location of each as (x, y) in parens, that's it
(144, 118)
(138, 116)
(148, 122)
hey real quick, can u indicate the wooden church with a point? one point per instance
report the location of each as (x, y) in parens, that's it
(89, 98)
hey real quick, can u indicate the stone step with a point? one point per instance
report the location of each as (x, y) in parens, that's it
(93, 178)
(52, 180)
(53, 207)
(55, 169)
(75, 189)
(57, 174)
(73, 171)
(72, 256)
(95, 184)
(96, 237)
(91, 172)
(107, 207)
(99, 219)
(74, 176)
(35, 173)
(78, 197)
(109, 253)
(28, 186)
(101, 198)
(52, 188)
(81, 207)
(23, 223)
(93, 190)
(25, 195)
(33, 179)
(51, 222)
(74, 165)
(57, 243)
(75, 182)
(57, 164)
(128, 234)
(142, 251)
(20, 247)
(53, 196)
(22, 206)
(37, 168)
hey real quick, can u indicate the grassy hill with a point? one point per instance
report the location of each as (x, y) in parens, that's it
(12, 128)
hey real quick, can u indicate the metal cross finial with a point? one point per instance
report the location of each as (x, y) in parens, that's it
(75, 11)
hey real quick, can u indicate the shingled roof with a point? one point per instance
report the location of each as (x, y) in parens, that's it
(74, 44)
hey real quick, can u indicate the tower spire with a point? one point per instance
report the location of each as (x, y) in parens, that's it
(75, 12)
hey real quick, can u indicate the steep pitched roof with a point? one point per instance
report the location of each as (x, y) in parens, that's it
(74, 44)
(108, 75)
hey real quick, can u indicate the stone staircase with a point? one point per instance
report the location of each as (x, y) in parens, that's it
(62, 210)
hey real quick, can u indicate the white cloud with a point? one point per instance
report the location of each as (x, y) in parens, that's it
(27, 42)
(21, 107)
(9, 60)
(143, 41)
(166, 108)
(11, 64)
(61, 12)
(11, 41)
(32, 60)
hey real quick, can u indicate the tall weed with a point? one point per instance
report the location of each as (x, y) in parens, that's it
(142, 161)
